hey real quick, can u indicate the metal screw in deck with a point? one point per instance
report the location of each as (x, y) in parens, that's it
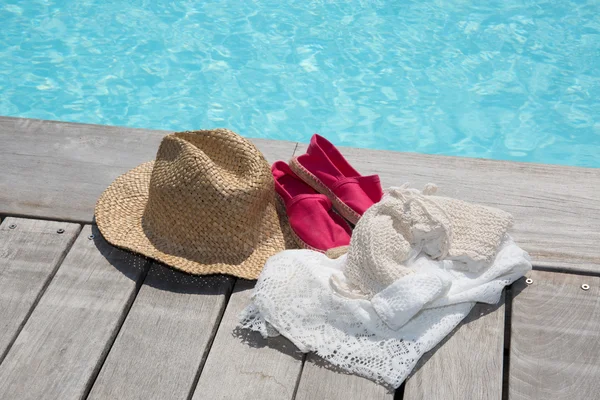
(90, 237)
(12, 226)
(60, 230)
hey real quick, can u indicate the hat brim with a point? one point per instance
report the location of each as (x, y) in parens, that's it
(119, 216)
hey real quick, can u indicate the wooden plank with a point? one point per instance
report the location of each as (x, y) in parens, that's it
(243, 365)
(467, 364)
(173, 320)
(555, 338)
(541, 198)
(61, 347)
(57, 170)
(30, 252)
(321, 380)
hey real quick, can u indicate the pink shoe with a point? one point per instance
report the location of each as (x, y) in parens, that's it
(314, 223)
(325, 169)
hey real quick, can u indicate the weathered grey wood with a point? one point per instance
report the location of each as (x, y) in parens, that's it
(57, 170)
(165, 337)
(243, 365)
(321, 380)
(556, 208)
(67, 336)
(555, 338)
(29, 256)
(467, 364)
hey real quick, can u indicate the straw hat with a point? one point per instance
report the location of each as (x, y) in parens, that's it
(206, 206)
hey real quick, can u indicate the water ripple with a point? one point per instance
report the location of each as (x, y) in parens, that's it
(516, 80)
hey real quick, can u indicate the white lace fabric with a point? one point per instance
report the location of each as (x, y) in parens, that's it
(294, 296)
(378, 320)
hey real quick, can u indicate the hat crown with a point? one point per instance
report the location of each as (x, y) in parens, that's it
(208, 189)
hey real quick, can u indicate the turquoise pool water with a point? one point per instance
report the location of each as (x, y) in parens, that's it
(515, 79)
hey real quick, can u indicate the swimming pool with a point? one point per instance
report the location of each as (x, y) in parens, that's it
(514, 80)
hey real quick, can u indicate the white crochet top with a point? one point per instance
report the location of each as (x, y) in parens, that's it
(407, 222)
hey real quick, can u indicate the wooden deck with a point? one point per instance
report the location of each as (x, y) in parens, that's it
(82, 319)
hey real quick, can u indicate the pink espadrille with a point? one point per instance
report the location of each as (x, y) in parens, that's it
(314, 222)
(325, 169)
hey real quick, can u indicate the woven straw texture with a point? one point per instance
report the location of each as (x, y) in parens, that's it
(205, 206)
